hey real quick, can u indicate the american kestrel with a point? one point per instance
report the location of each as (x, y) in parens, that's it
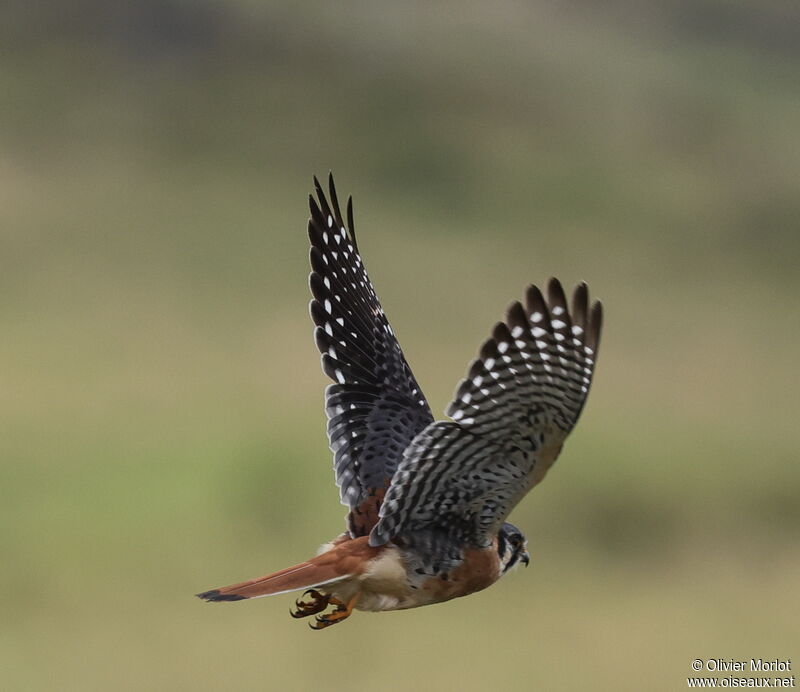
(428, 500)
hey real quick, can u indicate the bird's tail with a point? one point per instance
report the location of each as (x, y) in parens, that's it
(302, 576)
(334, 565)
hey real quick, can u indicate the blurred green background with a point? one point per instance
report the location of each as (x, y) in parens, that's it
(161, 422)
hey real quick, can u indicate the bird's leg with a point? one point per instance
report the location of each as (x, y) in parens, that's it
(318, 603)
(341, 612)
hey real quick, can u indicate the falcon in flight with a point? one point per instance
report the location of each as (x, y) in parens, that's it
(428, 500)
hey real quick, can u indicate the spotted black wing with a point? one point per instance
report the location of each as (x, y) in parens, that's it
(375, 408)
(460, 479)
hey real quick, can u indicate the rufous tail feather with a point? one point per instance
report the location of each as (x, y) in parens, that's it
(344, 560)
(302, 576)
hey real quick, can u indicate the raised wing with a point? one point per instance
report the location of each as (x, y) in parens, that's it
(376, 407)
(459, 480)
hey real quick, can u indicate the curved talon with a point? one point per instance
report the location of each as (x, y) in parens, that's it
(319, 623)
(341, 612)
(323, 621)
(305, 608)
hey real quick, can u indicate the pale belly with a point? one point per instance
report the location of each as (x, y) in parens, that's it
(385, 585)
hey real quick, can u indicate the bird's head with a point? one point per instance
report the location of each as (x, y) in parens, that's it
(512, 547)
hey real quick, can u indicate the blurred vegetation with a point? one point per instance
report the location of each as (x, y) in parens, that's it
(161, 427)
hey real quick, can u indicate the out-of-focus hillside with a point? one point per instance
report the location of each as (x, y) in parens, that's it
(161, 427)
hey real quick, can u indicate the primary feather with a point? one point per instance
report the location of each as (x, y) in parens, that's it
(460, 479)
(375, 408)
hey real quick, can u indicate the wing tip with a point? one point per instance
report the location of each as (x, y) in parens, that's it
(596, 322)
(555, 291)
(515, 315)
(322, 206)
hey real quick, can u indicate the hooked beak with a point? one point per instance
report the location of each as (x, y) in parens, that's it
(525, 558)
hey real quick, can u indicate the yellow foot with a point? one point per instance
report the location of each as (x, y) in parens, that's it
(318, 603)
(342, 612)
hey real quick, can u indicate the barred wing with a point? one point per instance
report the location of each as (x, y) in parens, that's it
(376, 407)
(459, 480)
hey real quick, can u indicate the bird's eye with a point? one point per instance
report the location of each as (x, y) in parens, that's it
(514, 541)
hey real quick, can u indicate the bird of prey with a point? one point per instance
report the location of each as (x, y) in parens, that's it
(428, 500)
